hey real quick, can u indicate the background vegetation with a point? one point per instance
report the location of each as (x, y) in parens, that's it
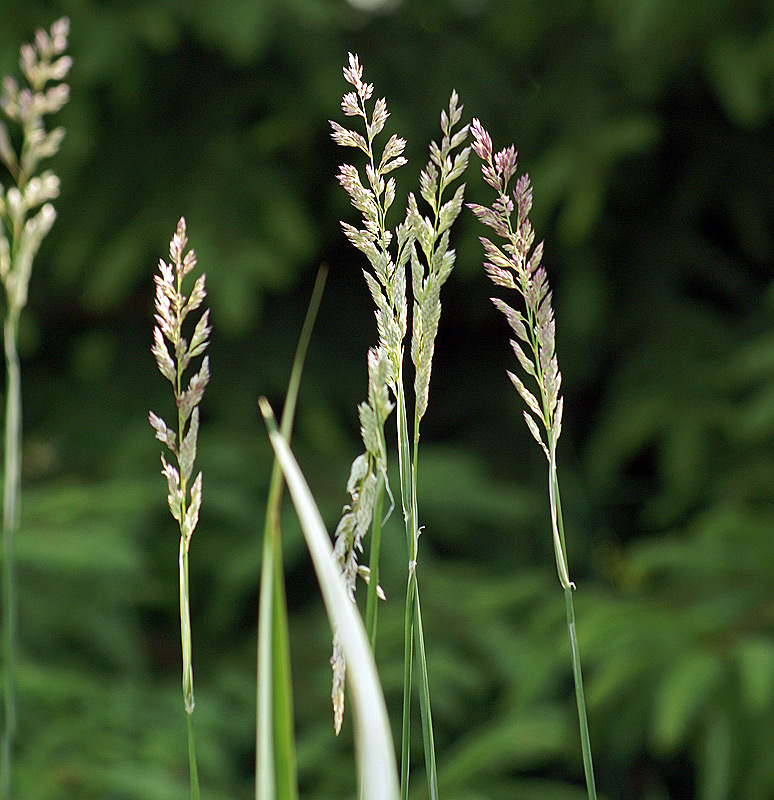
(648, 130)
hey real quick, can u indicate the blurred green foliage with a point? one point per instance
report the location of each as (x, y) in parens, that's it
(648, 130)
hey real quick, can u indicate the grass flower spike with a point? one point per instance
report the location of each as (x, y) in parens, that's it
(516, 264)
(422, 242)
(388, 281)
(184, 496)
(26, 217)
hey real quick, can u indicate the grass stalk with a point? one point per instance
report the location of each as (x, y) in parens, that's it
(517, 265)
(11, 492)
(275, 766)
(188, 689)
(372, 600)
(174, 354)
(192, 768)
(408, 667)
(422, 241)
(409, 630)
(580, 697)
(428, 737)
(21, 234)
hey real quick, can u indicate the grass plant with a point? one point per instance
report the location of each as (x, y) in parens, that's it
(26, 217)
(516, 264)
(184, 496)
(423, 243)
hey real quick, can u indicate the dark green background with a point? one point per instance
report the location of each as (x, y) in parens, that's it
(647, 128)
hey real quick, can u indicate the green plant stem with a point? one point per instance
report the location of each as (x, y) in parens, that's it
(428, 737)
(10, 527)
(413, 631)
(580, 697)
(192, 759)
(408, 666)
(372, 599)
(185, 629)
(588, 766)
(406, 486)
(188, 692)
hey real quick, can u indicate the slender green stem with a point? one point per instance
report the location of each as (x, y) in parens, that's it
(192, 759)
(10, 527)
(407, 502)
(588, 766)
(372, 601)
(188, 692)
(185, 630)
(580, 698)
(413, 632)
(408, 666)
(424, 700)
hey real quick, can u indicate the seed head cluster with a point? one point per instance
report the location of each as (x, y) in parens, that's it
(22, 228)
(421, 241)
(172, 308)
(516, 264)
(358, 515)
(173, 355)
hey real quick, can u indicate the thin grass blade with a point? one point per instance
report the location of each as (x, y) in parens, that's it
(275, 760)
(424, 702)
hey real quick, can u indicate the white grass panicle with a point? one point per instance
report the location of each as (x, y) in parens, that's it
(431, 233)
(44, 66)
(422, 242)
(388, 281)
(184, 495)
(26, 217)
(517, 265)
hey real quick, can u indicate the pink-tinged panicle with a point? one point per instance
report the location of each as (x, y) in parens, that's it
(516, 265)
(174, 354)
(522, 194)
(350, 105)
(347, 138)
